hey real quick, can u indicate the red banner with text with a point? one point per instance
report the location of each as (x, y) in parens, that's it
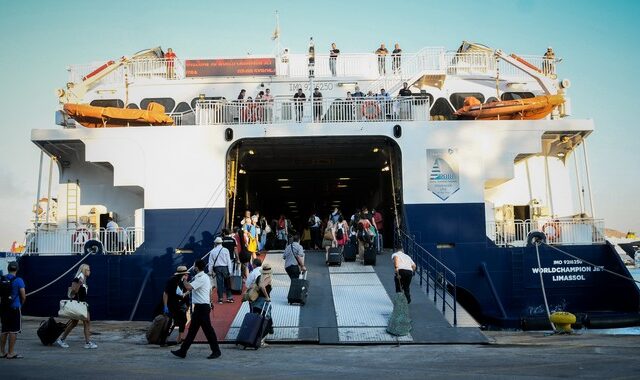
(230, 67)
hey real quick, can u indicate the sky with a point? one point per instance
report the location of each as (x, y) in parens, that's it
(40, 39)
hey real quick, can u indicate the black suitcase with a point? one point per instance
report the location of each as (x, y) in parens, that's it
(335, 257)
(50, 330)
(370, 255)
(350, 251)
(253, 328)
(235, 280)
(298, 290)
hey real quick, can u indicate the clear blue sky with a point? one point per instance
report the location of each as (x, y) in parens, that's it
(40, 39)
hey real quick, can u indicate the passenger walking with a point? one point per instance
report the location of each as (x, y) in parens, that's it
(200, 287)
(282, 232)
(396, 59)
(314, 226)
(11, 311)
(333, 57)
(244, 256)
(298, 100)
(342, 232)
(263, 283)
(78, 292)
(294, 258)
(329, 239)
(404, 269)
(335, 215)
(176, 300)
(219, 261)
(317, 105)
(257, 270)
(229, 242)
(382, 52)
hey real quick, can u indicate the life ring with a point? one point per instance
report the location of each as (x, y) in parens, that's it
(370, 109)
(554, 236)
(80, 236)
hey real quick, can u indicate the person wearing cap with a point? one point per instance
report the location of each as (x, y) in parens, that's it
(219, 261)
(317, 105)
(10, 313)
(263, 282)
(176, 298)
(200, 287)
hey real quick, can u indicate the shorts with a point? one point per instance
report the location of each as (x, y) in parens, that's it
(11, 320)
(327, 243)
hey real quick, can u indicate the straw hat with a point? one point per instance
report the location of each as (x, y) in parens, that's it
(181, 270)
(218, 240)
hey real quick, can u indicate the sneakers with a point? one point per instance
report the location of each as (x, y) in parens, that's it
(230, 300)
(59, 342)
(90, 345)
(214, 355)
(179, 354)
(220, 302)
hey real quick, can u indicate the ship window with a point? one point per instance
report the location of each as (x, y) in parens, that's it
(195, 100)
(107, 103)
(168, 103)
(133, 106)
(457, 99)
(491, 100)
(441, 110)
(516, 95)
(182, 107)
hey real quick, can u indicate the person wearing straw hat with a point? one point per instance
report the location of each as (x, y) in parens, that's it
(176, 298)
(200, 287)
(263, 282)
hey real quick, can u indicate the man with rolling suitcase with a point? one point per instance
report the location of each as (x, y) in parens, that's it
(294, 258)
(200, 287)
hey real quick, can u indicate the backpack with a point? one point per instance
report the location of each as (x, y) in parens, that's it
(339, 233)
(6, 291)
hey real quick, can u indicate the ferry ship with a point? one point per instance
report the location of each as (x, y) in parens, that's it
(464, 167)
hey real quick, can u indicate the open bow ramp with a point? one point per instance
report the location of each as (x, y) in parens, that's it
(349, 304)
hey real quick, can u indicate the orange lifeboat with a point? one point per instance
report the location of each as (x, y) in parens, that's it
(534, 108)
(101, 117)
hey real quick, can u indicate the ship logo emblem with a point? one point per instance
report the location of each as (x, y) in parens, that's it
(444, 178)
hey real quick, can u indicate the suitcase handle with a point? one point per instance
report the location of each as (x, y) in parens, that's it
(266, 309)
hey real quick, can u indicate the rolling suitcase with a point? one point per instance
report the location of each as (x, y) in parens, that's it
(370, 255)
(350, 250)
(235, 280)
(298, 290)
(335, 257)
(50, 330)
(253, 328)
(159, 329)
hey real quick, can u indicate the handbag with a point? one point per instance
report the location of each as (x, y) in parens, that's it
(73, 309)
(252, 294)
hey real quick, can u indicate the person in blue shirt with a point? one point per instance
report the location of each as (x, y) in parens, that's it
(10, 314)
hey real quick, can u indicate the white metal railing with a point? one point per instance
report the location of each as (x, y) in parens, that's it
(558, 231)
(324, 110)
(64, 241)
(429, 59)
(156, 68)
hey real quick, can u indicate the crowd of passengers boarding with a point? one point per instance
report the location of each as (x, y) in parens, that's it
(355, 106)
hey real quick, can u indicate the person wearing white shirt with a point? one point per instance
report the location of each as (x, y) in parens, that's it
(219, 261)
(404, 269)
(257, 271)
(200, 287)
(112, 240)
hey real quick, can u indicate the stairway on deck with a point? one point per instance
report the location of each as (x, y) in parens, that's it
(350, 304)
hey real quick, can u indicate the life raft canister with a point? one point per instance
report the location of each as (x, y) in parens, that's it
(371, 109)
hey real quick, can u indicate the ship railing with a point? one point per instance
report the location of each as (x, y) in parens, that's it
(65, 241)
(486, 64)
(562, 231)
(78, 72)
(156, 68)
(439, 281)
(324, 110)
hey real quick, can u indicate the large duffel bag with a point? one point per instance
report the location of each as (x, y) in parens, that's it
(50, 330)
(159, 330)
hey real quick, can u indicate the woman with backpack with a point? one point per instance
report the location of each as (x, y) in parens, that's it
(342, 232)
